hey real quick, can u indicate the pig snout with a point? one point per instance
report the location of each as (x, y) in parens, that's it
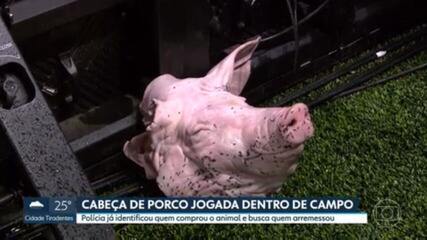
(295, 124)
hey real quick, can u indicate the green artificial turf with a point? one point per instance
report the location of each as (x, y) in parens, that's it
(372, 144)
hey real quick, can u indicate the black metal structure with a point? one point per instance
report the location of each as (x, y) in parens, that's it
(30, 18)
(36, 138)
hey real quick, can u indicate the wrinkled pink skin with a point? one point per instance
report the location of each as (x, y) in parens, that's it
(202, 139)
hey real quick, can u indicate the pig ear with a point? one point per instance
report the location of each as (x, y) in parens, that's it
(232, 73)
(157, 91)
(137, 149)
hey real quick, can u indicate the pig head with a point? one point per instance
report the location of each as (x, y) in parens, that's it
(203, 139)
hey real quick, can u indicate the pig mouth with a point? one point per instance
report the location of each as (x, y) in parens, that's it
(286, 149)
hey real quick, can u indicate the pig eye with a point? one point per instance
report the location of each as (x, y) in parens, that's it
(199, 133)
(200, 128)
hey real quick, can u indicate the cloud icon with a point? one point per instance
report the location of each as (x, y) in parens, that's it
(36, 204)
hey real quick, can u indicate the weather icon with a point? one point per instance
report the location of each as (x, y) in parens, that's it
(36, 204)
